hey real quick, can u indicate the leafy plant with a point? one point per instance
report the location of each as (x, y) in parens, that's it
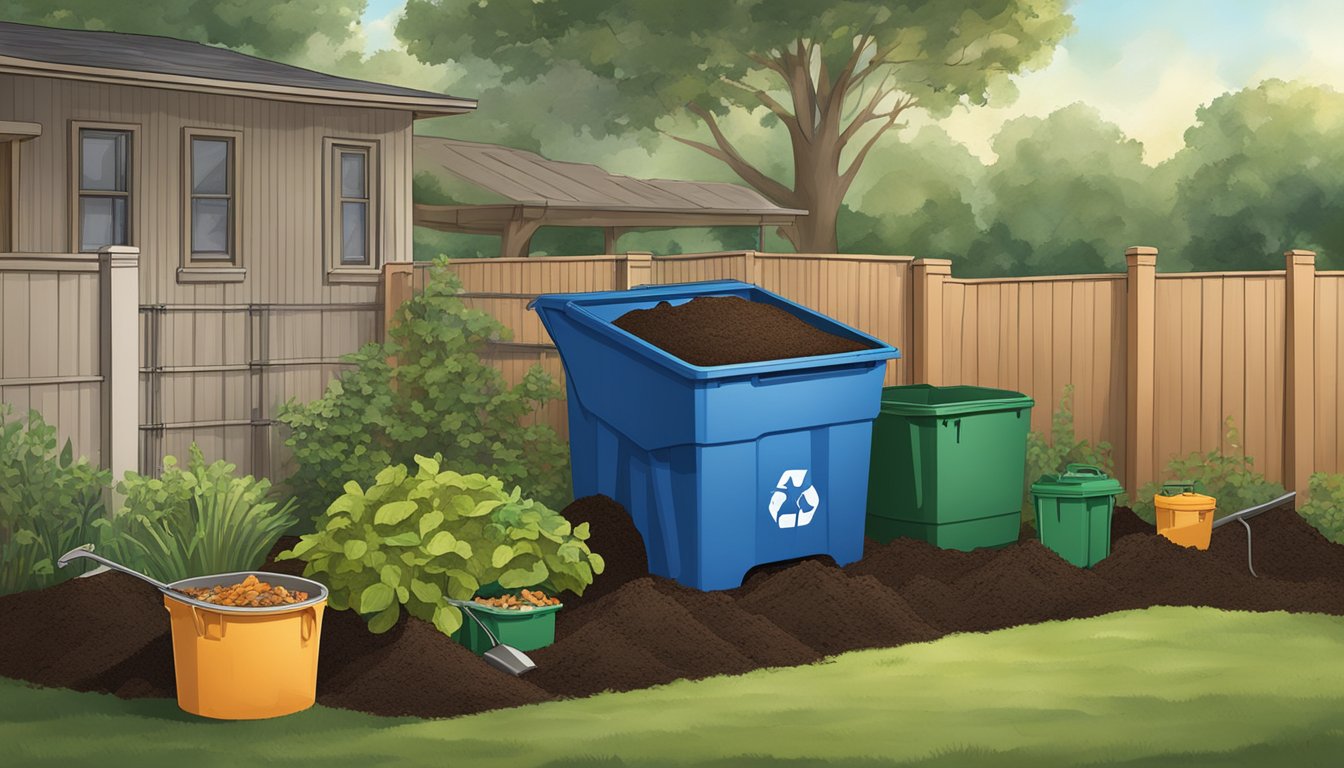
(1228, 476)
(1045, 456)
(194, 522)
(413, 540)
(1325, 509)
(48, 502)
(440, 398)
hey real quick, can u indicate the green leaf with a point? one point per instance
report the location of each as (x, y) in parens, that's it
(502, 555)
(430, 521)
(405, 539)
(598, 564)
(426, 591)
(390, 575)
(516, 578)
(353, 488)
(355, 548)
(581, 532)
(385, 620)
(375, 597)
(447, 619)
(403, 594)
(427, 464)
(442, 543)
(394, 512)
(458, 576)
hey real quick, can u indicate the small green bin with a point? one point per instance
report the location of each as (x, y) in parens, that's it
(947, 465)
(526, 630)
(1073, 512)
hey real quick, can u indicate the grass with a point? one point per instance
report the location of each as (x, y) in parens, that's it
(1164, 686)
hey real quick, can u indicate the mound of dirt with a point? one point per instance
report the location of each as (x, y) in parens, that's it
(416, 670)
(1283, 546)
(1125, 523)
(755, 636)
(71, 634)
(832, 612)
(613, 536)
(723, 330)
(637, 617)
(901, 560)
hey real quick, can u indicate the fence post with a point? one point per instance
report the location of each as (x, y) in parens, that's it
(635, 269)
(749, 269)
(1299, 439)
(927, 355)
(119, 359)
(1141, 340)
(398, 280)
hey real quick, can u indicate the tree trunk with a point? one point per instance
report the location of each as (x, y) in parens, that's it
(817, 189)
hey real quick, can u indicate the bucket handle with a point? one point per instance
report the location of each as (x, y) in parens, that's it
(308, 624)
(1178, 487)
(1084, 469)
(203, 623)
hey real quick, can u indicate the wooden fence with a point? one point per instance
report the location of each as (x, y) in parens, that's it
(1157, 361)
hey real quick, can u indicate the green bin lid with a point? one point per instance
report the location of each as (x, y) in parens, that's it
(928, 400)
(1077, 481)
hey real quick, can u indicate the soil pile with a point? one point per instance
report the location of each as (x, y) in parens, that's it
(73, 633)
(724, 330)
(412, 669)
(613, 536)
(110, 633)
(832, 612)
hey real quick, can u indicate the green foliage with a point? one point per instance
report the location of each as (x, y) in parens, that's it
(440, 399)
(1325, 509)
(266, 27)
(48, 503)
(1061, 449)
(1226, 475)
(194, 522)
(414, 540)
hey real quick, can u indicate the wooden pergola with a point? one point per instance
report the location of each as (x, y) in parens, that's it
(536, 192)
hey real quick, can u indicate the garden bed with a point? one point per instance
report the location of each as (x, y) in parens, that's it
(110, 633)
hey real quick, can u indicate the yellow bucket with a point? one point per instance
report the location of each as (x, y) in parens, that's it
(1186, 518)
(235, 663)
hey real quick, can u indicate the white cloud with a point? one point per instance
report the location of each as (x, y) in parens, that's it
(1151, 91)
(1317, 26)
(380, 33)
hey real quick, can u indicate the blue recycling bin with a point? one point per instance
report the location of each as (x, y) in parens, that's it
(725, 467)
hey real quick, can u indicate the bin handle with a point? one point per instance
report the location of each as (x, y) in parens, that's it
(308, 624)
(1084, 469)
(199, 617)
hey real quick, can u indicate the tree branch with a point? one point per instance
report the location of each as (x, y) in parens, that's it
(852, 171)
(769, 101)
(726, 153)
(868, 113)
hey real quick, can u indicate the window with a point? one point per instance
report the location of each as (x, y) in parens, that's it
(104, 184)
(210, 212)
(352, 206)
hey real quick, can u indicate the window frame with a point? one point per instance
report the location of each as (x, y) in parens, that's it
(332, 199)
(232, 260)
(76, 168)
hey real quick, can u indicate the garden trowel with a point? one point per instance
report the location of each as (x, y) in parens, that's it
(502, 657)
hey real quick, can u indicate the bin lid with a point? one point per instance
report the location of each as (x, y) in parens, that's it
(1183, 496)
(1077, 481)
(928, 400)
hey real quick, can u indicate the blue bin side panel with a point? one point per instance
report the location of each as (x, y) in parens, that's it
(706, 512)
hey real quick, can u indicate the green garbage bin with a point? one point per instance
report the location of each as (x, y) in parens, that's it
(947, 465)
(1073, 512)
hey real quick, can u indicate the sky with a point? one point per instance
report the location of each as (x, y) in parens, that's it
(1145, 65)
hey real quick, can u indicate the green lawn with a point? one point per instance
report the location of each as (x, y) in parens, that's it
(1166, 686)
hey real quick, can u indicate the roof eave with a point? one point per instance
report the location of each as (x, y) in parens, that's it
(426, 106)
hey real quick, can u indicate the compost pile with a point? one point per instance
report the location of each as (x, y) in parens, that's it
(725, 330)
(110, 633)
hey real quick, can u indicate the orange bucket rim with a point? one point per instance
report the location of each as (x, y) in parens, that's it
(316, 589)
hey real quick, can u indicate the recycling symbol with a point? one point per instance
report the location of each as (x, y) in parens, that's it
(807, 501)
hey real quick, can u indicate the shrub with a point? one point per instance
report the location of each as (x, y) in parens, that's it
(441, 398)
(194, 522)
(1227, 476)
(48, 503)
(414, 540)
(1063, 448)
(1325, 509)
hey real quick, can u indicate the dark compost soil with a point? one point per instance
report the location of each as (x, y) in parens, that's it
(110, 633)
(724, 330)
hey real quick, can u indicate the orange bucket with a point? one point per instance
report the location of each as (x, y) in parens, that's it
(1184, 516)
(238, 663)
